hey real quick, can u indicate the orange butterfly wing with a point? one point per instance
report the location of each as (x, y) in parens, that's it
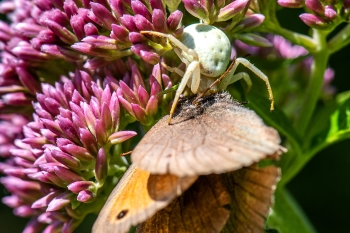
(138, 196)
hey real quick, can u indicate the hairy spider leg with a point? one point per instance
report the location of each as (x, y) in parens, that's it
(191, 71)
(190, 58)
(173, 69)
(233, 78)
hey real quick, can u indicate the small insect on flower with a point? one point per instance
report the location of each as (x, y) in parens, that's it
(206, 51)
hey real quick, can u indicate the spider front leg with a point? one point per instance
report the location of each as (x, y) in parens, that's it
(256, 71)
(193, 70)
(185, 54)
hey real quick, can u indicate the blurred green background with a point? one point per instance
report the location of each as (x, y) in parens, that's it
(322, 188)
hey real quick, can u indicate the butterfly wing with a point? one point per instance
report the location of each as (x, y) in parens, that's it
(201, 209)
(251, 190)
(223, 137)
(234, 202)
(138, 196)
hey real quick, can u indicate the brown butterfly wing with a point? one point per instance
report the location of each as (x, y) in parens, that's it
(223, 137)
(137, 197)
(251, 190)
(201, 209)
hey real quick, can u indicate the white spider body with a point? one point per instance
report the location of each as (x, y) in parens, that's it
(206, 51)
(211, 45)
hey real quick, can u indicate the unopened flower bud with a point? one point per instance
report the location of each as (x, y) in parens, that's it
(231, 10)
(314, 21)
(196, 9)
(291, 3)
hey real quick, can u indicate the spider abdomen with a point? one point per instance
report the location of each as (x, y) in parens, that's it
(212, 46)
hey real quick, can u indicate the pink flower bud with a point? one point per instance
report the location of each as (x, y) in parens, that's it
(152, 106)
(142, 96)
(231, 10)
(70, 8)
(70, 225)
(86, 196)
(60, 201)
(136, 37)
(24, 211)
(128, 22)
(251, 21)
(88, 141)
(63, 33)
(140, 9)
(55, 226)
(28, 29)
(196, 9)
(159, 21)
(101, 167)
(17, 99)
(106, 117)
(314, 21)
(101, 134)
(120, 33)
(121, 136)
(139, 113)
(330, 12)
(25, 154)
(103, 14)
(150, 57)
(174, 20)
(142, 23)
(291, 3)
(33, 226)
(157, 4)
(67, 175)
(44, 201)
(90, 29)
(68, 128)
(78, 186)
(77, 22)
(66, 159)
(316, 6)
(26, 52)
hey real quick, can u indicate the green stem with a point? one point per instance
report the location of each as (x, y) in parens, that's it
(314, 87)
(311, 97)
(293, 168)
(340, 40)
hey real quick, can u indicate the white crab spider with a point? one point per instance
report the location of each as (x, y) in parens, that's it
(206, 51)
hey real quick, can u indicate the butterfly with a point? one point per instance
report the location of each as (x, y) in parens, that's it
(200, 174)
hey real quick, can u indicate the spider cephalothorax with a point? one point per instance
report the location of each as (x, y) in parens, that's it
(206, 51)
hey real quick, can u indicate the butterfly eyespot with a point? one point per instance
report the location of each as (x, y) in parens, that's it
(228, 207)
(122, 214)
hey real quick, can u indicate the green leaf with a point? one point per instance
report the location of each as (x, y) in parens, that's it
(275, 118)
(334, 126)
(169, 90)
(253, 39)
(286, 215)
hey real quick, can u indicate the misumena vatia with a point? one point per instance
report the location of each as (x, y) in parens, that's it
(206, 51)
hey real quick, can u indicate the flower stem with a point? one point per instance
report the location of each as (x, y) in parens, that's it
(340, 40)
(314, 87)
(311, 96)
